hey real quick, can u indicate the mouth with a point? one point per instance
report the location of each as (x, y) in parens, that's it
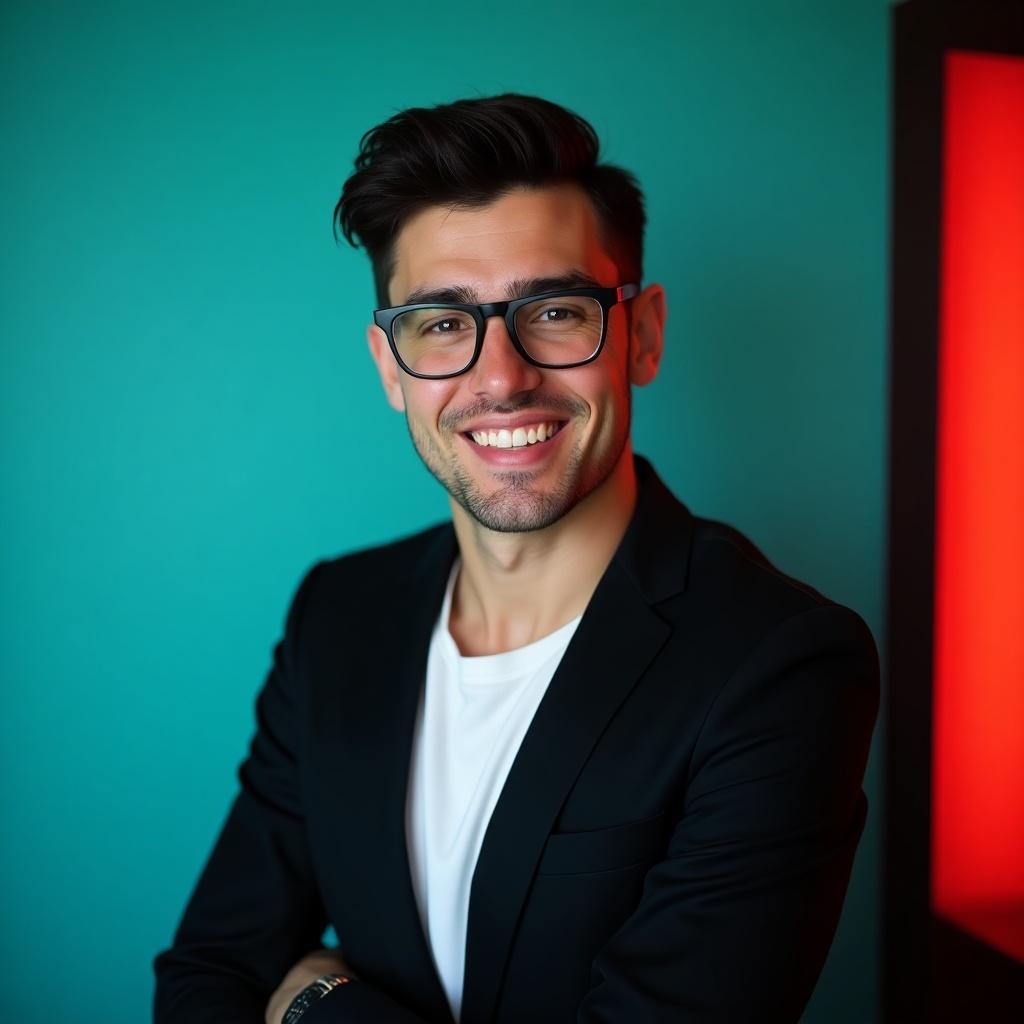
(520, 437)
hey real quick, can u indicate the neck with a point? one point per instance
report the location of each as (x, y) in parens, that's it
(514, 588)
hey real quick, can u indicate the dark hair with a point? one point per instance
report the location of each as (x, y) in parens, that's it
(469, 153)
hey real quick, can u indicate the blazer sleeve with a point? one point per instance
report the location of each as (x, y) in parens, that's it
(734, 924)
(255, 909)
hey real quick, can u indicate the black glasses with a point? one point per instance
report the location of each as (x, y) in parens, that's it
(555, 330)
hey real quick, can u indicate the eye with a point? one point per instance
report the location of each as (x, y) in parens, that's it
(449, 325)
(558, 314)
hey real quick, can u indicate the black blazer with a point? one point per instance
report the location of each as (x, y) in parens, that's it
(673, 842)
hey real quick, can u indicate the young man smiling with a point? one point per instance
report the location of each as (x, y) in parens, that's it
(536, 522)
(578, 755)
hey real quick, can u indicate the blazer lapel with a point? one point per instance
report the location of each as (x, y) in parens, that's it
(618, 637)
(366, 744)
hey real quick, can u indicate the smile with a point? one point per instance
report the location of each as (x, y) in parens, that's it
(534, 433)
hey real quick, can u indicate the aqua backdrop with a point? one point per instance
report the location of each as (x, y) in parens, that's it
(189, 417)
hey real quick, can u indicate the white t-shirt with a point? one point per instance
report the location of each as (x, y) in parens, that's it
(472, 717)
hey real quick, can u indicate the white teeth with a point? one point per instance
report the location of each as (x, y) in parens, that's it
(520, 437)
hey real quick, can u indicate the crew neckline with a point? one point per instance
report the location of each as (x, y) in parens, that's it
(485, 669)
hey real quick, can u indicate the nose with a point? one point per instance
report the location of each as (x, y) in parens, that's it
(501, 372)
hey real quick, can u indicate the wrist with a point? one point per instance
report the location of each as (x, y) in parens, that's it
(311, 994)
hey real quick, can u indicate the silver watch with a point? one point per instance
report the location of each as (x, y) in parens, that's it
(311, 994)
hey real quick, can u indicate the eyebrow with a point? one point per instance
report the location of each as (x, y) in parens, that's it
(517, 288)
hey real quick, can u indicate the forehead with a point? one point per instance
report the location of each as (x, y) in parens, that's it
(527, 233)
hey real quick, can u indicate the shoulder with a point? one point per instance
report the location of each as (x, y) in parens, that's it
(696, 568)
(355, 590)
(367, 572)
(726, 560)
(402, 554)
(765, 608)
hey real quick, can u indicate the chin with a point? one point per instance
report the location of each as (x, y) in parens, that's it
(503, 515)
(519, 504)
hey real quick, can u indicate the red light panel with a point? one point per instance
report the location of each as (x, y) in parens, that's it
(978, 724)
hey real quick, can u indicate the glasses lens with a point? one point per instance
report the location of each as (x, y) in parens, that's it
(562, 330)
(435, 341)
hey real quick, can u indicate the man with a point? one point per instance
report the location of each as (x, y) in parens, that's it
(578, 755)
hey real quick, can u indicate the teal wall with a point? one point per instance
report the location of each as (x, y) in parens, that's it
(189, 417)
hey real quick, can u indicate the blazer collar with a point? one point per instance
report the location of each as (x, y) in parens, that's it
(655, 549)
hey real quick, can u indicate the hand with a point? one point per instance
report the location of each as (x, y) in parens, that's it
(305, 972)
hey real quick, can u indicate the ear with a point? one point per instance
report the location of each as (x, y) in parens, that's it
(387, 367)
(647, 335)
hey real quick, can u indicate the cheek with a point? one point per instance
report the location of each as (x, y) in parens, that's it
(426, 400)
(607, 395)
(612, 418)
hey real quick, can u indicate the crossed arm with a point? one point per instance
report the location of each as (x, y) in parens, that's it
(733, 924)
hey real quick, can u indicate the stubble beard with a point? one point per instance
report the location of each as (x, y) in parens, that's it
(516, 507)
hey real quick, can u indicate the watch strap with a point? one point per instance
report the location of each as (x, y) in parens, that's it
(311, 994)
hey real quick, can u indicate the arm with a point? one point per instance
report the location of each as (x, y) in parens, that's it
(310, 968)
(255, 909)
(735, 923)
(355, 1003)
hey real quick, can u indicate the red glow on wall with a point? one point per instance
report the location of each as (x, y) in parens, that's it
(978, 725)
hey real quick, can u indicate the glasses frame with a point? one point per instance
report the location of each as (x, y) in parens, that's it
(482, 311)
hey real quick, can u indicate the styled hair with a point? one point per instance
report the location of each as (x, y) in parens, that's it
(471, 152)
